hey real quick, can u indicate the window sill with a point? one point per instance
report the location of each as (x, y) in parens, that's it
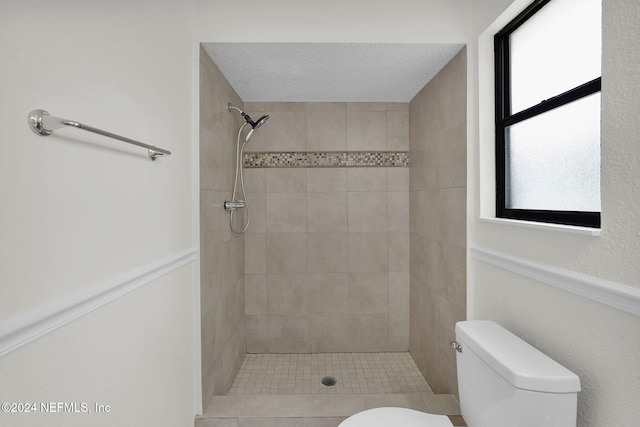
(586, 231)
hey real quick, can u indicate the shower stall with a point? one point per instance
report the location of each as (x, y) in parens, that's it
(354, 257)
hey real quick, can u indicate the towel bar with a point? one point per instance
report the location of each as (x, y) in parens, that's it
(43, 124)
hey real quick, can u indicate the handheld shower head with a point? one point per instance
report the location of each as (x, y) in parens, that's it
(260, 122)
(248, 137)
(254, 126)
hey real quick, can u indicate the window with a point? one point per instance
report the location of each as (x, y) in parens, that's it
(547, 65)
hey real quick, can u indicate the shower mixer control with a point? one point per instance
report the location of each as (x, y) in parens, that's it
(456, 346)
(232, 205)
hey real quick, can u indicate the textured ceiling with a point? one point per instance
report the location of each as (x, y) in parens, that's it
(322, 72)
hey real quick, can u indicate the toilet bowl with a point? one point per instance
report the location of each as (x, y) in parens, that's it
(503, 382)
(392, 417)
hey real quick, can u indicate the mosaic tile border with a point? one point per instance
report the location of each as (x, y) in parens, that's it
(326, 159)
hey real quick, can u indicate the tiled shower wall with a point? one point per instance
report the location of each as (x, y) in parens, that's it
(438, 222)
(221, 253)
(327, 250)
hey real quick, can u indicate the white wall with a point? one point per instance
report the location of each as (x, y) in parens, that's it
(81, 213)
(75, 215)
(598, 342)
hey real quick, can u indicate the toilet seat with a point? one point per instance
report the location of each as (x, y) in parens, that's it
(392, 417)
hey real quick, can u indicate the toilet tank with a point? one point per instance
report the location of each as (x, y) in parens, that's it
(505, 382)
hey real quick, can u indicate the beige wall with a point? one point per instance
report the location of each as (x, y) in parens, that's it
(438, 218)
(327, 251)
(222, 253)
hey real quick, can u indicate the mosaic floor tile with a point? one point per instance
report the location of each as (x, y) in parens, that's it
(355, 373)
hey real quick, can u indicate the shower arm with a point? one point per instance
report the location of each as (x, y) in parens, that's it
(231, 107)
(247, 117)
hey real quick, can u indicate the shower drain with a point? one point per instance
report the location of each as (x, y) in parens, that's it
(329, 381)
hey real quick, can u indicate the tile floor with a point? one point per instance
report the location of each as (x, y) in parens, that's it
(356, 373)
(285, 390)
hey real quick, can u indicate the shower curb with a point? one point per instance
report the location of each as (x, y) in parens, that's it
(282, 409)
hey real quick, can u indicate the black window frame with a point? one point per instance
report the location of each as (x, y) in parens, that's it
(504, 119)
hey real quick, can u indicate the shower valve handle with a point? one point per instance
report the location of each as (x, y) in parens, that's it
(456, 346)
(232, 205)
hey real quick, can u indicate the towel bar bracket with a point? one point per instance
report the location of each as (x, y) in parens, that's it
(36, 122)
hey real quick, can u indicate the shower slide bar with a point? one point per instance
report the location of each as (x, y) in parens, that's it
(43, 124)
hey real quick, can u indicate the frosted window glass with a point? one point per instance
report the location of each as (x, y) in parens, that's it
(557, 49)
(553, 160)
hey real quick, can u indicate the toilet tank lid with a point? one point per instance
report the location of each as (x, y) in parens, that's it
(515, 360)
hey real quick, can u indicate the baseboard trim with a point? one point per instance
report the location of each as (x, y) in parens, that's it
(32, 324)
(612, 294)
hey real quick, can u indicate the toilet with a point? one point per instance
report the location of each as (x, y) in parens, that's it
(503, 382)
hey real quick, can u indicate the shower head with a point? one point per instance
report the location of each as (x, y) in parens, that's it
(259, 122)
(254, 125)
(247, 117)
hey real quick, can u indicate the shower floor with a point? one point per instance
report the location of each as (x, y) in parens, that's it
(285, 390)
(355, 373)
